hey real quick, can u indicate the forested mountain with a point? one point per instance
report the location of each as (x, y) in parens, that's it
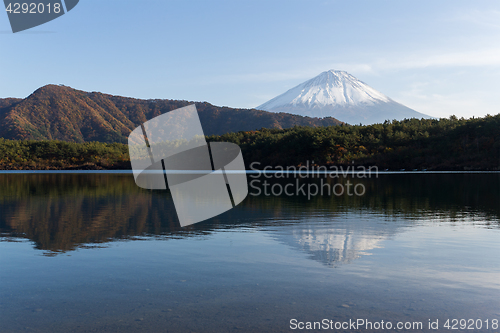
(62, 113)
(5, 102)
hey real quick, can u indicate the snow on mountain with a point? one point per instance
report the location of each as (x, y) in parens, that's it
(340, 95)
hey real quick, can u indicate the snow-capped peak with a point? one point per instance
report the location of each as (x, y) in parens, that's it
(329, 88)
(339, 94)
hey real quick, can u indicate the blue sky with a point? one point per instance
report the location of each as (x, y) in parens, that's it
(437, 57)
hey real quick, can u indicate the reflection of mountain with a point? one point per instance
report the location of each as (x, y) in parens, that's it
(58, 224)
(338, 241)
(61, 212)
(339, 246)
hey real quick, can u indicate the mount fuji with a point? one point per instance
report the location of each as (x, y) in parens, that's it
(340, 95)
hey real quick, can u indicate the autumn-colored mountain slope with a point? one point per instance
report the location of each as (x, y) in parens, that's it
(6, 102)
(62, 113)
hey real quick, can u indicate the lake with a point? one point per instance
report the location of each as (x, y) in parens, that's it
(95, 253)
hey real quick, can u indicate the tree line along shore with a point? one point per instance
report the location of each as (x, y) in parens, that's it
(425, 144)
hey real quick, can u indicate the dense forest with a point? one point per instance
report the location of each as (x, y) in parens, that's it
(432, 144)
(56, 155)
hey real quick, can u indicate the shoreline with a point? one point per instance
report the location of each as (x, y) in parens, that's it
(250, 172)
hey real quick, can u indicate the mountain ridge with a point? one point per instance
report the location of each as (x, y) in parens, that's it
(55, 112)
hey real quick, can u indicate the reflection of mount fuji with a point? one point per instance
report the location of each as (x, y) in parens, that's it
(334, 243)
(336, 248)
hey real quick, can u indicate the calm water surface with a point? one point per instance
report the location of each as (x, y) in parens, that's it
(94, 253)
